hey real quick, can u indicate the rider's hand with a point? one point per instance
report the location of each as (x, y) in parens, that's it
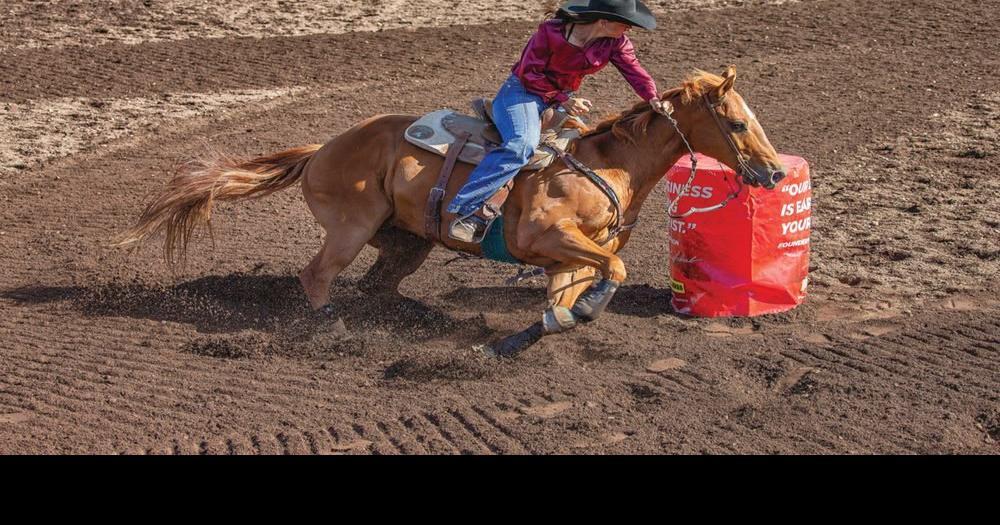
(663, 107)
(577, 106)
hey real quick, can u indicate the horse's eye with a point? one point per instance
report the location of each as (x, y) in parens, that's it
(739, 127)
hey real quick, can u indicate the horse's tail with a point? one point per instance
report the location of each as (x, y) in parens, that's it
(187, 201)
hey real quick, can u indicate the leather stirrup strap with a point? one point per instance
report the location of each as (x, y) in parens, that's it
(432, 214)
(494, 205)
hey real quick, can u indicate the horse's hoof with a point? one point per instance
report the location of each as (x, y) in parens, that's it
(339, 330)
(333, 323)
(486, 350)
(513, 345)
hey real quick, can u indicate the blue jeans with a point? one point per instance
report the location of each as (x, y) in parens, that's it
(517, 115)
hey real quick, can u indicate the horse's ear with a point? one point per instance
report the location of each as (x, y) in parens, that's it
(729, 79)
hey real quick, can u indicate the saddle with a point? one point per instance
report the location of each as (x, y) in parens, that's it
(438, 130)
(459, 137)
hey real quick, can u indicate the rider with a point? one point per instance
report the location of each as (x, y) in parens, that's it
(580, 39)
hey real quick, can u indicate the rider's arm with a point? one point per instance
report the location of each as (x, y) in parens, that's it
(623, 57)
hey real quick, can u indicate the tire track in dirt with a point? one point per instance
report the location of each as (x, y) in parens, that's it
(955, 391)
(852, 352)
(79, 394)
(173, 389)
(854, 386)
(52, 411)
(964, 358)
(164, 377)
(93, 385)
(847, 366)
(982, 340)
(460, 428)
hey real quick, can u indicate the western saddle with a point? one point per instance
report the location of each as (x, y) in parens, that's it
(459, 137)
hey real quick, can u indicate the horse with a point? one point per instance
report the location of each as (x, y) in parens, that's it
(369, 185)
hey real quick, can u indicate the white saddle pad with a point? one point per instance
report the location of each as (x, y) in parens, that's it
(428, 133)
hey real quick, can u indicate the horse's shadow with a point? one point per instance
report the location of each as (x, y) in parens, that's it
(232, 303)
(639, 300)
(497, 298)
(275, 304)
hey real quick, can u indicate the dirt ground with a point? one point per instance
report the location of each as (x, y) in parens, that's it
(895, 104)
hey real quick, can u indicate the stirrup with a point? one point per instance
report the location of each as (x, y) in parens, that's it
(470, 228)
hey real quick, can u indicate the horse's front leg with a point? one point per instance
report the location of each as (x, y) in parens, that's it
(567, 244)
(565, 286)
(574, 297)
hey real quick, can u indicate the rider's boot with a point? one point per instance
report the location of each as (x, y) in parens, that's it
(471, 228)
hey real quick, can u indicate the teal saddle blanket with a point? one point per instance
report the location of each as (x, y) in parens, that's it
(495, 247)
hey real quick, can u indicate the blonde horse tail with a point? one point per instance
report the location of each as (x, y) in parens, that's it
(188, 198)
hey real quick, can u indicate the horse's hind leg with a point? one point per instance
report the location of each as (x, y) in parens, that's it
(348, 229)
(400, 253)
(338, 251)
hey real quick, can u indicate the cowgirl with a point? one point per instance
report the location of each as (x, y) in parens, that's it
(580, 39)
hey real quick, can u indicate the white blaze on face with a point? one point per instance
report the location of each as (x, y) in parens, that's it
(746, 109)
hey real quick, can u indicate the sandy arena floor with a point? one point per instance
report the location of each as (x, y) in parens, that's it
(894, 104)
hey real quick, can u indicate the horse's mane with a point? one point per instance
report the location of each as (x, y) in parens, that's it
(633, 122)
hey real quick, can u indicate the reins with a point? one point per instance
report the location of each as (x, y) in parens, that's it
(734, 192)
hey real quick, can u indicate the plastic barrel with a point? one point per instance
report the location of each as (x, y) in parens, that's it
(750, 257)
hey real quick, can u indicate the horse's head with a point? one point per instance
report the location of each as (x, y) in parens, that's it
(718, 123)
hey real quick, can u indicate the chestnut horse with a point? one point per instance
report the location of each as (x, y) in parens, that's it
(370, 186)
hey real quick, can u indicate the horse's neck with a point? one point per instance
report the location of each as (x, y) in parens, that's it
(643, 164)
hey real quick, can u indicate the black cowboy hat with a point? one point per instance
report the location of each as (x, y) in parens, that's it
(631, 12)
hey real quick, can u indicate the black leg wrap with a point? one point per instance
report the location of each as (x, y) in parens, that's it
(515, 344)
(592, 303)
(557, 319)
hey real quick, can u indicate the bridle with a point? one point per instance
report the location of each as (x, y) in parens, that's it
(746, 173)
(745, 170)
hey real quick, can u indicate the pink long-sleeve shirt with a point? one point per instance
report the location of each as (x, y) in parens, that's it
(550, 66)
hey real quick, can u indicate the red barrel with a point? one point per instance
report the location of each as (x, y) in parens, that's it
(750, 257)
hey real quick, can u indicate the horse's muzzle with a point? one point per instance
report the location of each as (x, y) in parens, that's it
(775, 177)
(766, 177)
